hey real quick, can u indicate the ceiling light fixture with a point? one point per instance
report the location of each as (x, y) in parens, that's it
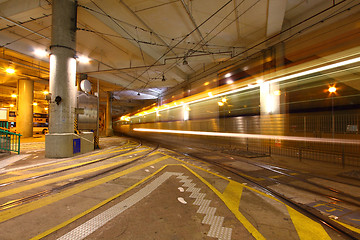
(83, 59)
(41, 53)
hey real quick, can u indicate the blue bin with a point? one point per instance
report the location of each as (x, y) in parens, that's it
(76, 145)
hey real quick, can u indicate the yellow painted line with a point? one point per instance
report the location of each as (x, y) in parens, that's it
(72, 159)
(276, 176)
(58, 169)
(232, 194)
(257, 179)
(220, 176)
(17, 211)
(306, 228)
(354, 229)
(231, 205)
(61, 178)
(61, 225)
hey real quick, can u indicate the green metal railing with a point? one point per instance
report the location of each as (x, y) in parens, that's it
(4, 124)
(9, 141)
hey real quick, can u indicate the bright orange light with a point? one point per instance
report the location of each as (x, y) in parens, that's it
(332, 89)
(35, 103)
(10, 70)
(207, 83)
(277, 92)
(45, 92)
(46, 109)
(13, 95)
(12, 105)
(220, 104)
(210, 94)
(224, 99)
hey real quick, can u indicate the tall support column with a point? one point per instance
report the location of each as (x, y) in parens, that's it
(108, 117)
(59, 141)
(272, 118)
(24, 119)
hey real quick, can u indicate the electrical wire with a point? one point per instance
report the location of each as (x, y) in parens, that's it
(284, 40)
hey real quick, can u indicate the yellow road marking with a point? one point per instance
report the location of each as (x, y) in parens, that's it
(58, 169)
(204, 170)
(17, 211)
(232, 193)
(72, 159)
(276, 176)
(57, 179)
(253, 178)
(231, 205)
(306, 228)
(354, 229)
(61, 225)
(306, 231)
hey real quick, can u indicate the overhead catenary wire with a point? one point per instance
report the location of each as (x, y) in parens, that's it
(187, 35)
(213, 68)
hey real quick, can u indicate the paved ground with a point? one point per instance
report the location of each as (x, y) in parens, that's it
(119, 193)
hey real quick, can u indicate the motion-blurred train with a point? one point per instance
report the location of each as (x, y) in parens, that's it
(308, 110)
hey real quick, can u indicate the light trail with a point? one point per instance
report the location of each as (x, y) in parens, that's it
(253, 136)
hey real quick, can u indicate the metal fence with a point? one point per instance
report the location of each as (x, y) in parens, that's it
(9, 141)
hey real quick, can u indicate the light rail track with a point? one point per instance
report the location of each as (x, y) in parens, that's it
(306, 210)
(26, 199)
(69, 168)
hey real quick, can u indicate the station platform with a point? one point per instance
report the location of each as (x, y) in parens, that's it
(128, 190)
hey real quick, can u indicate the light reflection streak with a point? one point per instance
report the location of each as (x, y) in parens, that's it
(254, 136)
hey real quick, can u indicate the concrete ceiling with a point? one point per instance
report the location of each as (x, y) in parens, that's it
(134, 45)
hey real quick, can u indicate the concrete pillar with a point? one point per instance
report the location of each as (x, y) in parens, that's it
(108, 117)
(24, 119)
(59, 141)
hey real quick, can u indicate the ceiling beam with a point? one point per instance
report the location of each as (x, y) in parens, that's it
(275, 16)
(14, 7)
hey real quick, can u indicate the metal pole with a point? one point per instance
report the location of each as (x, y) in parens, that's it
(332, 116)
(97, 119)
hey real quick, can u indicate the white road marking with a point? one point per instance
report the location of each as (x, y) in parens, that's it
(182, 200)
(101, 219)
(181, 189)
(147, 170)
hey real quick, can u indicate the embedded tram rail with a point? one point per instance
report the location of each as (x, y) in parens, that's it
(140, 190)
(267, 175)
(125, 151)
